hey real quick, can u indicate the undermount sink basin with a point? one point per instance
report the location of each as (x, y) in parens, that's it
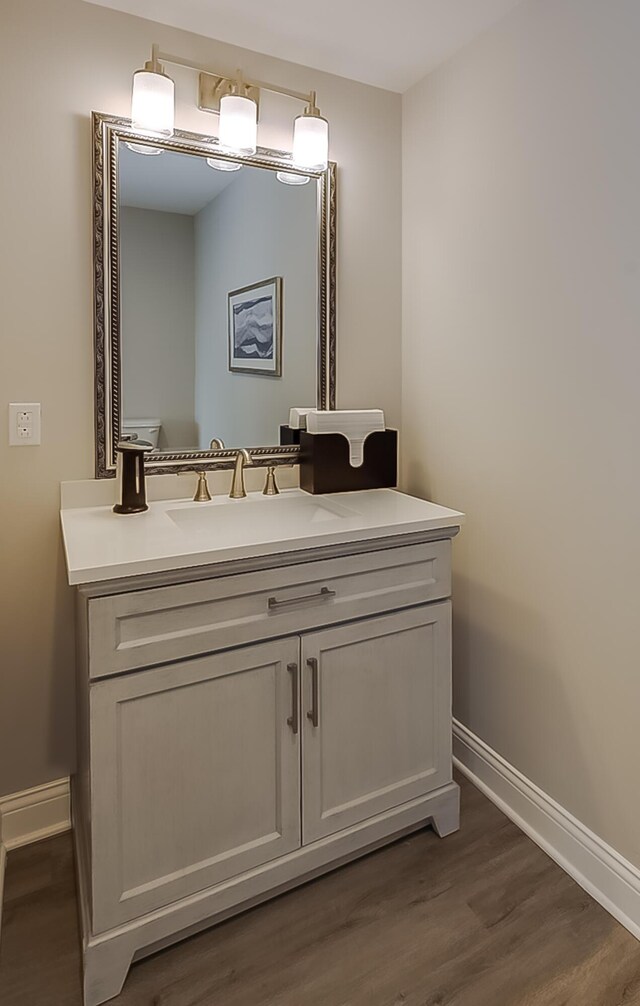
(263, 517)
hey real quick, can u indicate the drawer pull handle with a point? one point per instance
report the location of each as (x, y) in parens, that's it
(314, 712)
(321, 595)
(294, 719)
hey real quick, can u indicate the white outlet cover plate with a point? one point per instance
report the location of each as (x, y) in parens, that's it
(24, 424)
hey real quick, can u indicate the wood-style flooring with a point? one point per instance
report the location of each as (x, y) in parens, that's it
(483, 918)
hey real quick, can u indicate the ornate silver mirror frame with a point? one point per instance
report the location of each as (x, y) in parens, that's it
(108, 131)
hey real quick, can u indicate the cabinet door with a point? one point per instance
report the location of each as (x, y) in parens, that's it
(377, 716)
(195, 776)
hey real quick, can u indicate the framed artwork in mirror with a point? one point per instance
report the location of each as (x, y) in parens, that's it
(255, 328)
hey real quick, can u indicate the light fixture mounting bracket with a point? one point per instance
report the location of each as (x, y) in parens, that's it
(212, 88)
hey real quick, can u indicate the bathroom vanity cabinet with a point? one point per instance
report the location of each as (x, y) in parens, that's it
(248, 725)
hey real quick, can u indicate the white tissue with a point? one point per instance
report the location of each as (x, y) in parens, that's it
(298, 418)
(354, 424)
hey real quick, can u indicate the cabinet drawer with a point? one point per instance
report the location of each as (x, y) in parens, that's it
(155, 626)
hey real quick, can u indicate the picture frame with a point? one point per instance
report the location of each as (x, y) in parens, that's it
(255, 328)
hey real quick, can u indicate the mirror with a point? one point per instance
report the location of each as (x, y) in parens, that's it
(215, 298)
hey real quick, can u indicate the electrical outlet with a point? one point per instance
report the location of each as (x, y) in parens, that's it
(24, 424)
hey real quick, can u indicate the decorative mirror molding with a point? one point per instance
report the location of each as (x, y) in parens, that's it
(108, 133)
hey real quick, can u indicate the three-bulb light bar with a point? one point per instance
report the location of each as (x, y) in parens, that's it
(153, 112)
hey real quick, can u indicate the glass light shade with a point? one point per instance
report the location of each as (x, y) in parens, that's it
(220, 165)
(238, 124)
(311, 142)
(289, 178)
(142, 148)
(152, 102)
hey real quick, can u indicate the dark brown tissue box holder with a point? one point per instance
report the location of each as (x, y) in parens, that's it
(325, 467)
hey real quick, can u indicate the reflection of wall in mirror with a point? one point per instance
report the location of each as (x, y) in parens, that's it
(254, 229)
(157, 318)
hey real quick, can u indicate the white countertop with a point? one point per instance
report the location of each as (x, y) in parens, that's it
(174, 534)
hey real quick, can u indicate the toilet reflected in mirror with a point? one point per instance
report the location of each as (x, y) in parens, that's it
(148, 430)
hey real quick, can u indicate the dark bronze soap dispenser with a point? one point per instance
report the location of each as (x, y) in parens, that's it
(132, 494)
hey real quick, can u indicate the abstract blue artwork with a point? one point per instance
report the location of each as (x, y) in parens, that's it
(255, 328)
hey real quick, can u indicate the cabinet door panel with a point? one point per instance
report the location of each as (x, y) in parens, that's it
(196, 777)
(383, 711)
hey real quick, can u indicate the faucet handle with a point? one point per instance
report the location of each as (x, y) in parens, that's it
(202, 494)
(270, 484)
(202, 490)
(271, 487)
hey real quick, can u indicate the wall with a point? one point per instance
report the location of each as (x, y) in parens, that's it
(521, 358)
(254, 229)
(60, 59)
(157, 252)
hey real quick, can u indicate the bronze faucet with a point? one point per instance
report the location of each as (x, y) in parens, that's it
(243, 458)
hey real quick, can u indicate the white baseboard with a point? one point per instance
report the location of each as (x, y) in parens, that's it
(34, 814)
(3, 863)
(598, 868)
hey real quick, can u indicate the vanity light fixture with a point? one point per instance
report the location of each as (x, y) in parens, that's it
(311, 138)
(152, 99)
(290, 178)
(142, 148)
(238, 132)
(235, 99)
(220, 165)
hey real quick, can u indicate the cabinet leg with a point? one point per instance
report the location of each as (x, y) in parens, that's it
(445, 817)
(106, 966)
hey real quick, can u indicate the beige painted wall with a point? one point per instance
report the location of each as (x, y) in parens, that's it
(256, 228)
(157, 320)
(60, 59)
(521, 355)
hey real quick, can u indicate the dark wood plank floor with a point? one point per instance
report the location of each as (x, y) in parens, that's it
(482, 918)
